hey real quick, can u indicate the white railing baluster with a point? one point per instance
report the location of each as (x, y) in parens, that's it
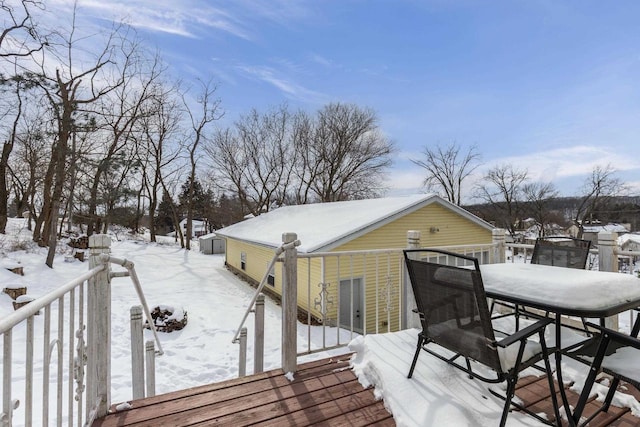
(71, 336)
(364, 293)
(60, 360)
(46, 368)
(137, 352)
(242, 365)
(7, 407)
(150, 364)
(258, 344)
(28, 398)
(78, 366)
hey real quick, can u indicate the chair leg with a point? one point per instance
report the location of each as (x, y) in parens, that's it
(511, 389)
(552, 389)
(612, 390)
(415, 356)
(591, 378)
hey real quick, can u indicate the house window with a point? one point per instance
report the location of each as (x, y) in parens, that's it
(243, 260)
(271, 279)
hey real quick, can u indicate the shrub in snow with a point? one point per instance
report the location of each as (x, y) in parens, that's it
(168, 319)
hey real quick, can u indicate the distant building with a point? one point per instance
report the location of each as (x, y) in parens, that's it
(590, 231)
(199, 227)
(211, 244)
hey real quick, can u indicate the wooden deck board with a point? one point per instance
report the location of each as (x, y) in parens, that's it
(324, 393)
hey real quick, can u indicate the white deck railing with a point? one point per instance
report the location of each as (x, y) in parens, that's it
(67, 351)
(68, 375)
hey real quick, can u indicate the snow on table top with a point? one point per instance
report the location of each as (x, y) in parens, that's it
(582, 289)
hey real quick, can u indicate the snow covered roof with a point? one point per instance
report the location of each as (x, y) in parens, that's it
(207, 236)
(617, 228)
(323, 226)
(628, 237)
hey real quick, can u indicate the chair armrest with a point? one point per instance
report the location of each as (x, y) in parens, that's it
(625, 339)
(524, 333)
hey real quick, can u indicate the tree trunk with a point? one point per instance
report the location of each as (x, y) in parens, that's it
(4, 194)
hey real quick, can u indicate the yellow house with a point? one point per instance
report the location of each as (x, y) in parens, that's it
(338, 283)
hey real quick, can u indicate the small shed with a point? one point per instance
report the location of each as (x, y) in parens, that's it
(211, 244)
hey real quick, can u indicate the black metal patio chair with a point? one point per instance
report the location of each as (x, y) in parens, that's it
(566, 252)
(454, 314)
(618, 355)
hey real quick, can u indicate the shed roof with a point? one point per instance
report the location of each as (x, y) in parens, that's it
(323, 226)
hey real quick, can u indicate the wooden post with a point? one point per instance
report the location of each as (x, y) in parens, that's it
(290, 305)
(608, 261)
(137, 353)
(411, 319)
(498, 236)
(151, 368)
(99, 329)
(258, 344)
(607, 258)
(242, 366)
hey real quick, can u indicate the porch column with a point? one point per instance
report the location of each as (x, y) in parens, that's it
(608, 261)
(498, 237)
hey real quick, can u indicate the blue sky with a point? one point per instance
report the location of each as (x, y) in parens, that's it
(550, 86)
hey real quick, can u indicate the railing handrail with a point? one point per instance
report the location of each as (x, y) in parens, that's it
(263, 282)
(622, 252)
(36, 305)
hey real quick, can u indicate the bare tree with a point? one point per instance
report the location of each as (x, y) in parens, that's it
(447, 168)
(119, 111)
(599, 187)
(501, 190)
(20, 36)
(159, 125)
(69, 91)
(209, 111)
(538, 195)
(255, 159)
(344, 156)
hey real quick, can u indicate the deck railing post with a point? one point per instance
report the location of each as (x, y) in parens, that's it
(411, 319)
(290, 305)
(99, 329)
(137, 353)
(151, 368)
(498, 236)
(607, 258)
(258, 344)
(608, 261)
(242, 365)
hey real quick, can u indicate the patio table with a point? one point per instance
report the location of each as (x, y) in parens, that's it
(562, 291)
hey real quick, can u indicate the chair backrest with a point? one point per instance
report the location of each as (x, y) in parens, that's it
(452, 303)
(561, 252)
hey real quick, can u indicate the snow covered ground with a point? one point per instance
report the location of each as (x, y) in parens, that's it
(214, 299)
(203, 351)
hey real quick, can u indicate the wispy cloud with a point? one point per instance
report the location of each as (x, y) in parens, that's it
(282, 82)
(568, 162)
(321, 60)
(186, 18)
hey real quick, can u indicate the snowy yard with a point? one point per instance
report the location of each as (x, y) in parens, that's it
(201, 353)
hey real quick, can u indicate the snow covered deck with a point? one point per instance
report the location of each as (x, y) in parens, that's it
(327, 392)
